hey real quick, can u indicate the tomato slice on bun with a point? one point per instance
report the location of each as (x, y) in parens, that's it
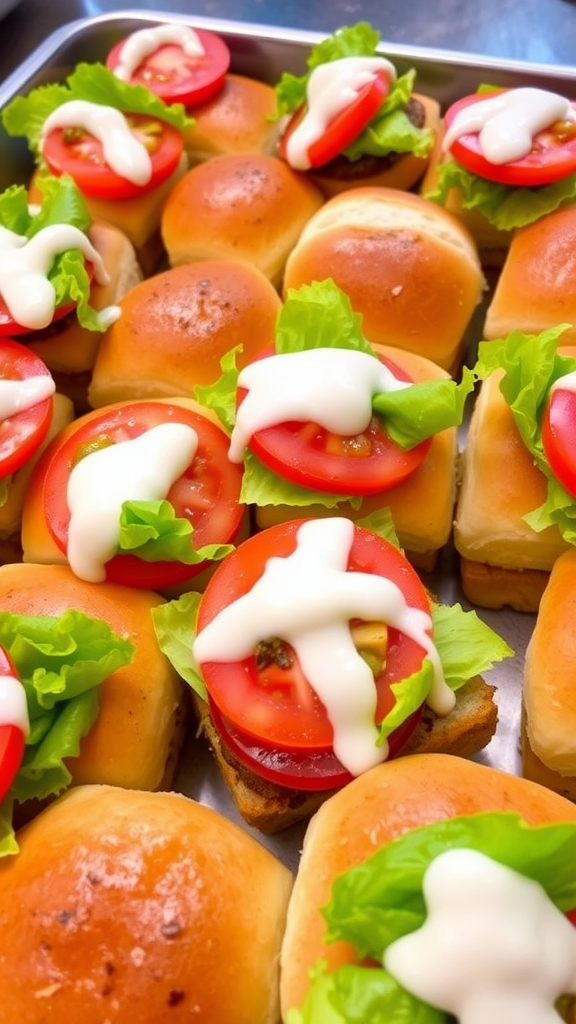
(22, 431)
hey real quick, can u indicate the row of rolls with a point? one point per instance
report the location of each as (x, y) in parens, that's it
(244, 419)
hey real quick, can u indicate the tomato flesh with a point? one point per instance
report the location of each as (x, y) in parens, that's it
(313, 458)
(207, 494)
(552, 157)
(79, 154)
(12, 739)
(558, 434)
(178, 78)
(23, 433)
(345, 127)
(289, 722)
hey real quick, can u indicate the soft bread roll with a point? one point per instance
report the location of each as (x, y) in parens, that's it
(548, 690)
(396, 170)
(503, 560)
(240, 206)
(68, 349)
(422, 506)
(536, 288)
(408, 267)
(142, 907)
(176, 326)
(136, 739)
(366, 815)
(236, 120)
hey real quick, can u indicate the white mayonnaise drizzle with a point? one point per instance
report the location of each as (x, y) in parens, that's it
(331, 88)
(507, 123)
(565, 383)
(308, 599)
(493, 947)
(18, 395)
(329, 386)
(123, 152)
(13, 705)
(24, 266)
(141, 44)
(140, 469)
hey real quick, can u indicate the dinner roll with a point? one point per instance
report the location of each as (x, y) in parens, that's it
(236, 120)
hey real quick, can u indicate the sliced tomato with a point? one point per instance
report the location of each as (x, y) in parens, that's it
(558, 434)
(207, 495)
(276, 709)
(571, 915)
(345, 127)
(308, 455)
(12, 739)
(22, 434)
(552, 157)
(75, 152)
(177, 77)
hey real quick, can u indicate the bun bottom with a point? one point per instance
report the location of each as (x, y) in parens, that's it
(535, 769)
(491, 586)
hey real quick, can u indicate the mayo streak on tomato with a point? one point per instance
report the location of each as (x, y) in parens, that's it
(329, 386)
(308, 599)
(331, 88)
(565, 383)
(493, 948)
(24, 267)
(140, 469)
(123, 152)
(141, 44)
(507, 123)
(18, 395)
(13, 704)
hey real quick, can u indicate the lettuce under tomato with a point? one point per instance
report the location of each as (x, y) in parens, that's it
(531, 364)
(61, 662)
(390, 130)
(320, 315)
(380, 900)
(62, 203)
(95, 83)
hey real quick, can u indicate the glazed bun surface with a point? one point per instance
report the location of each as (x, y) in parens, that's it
(375, 808)
(176, 326)
(249, 207)
(142, 907)
(237, 120)
(408, 267)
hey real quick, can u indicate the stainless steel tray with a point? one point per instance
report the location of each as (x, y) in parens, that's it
(265, 52)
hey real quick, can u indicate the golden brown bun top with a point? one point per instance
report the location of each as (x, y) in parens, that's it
(375, 808)
(537, 285)
(237, 120)
(175, 327)
(246, 206)
(142, 907)
(408, 266)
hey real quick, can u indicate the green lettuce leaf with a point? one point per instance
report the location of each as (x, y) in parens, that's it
(61, 662)
(531, 364)
(175, 627)
(380, 900)
(95, 83)
(390, 130)
(152, 531)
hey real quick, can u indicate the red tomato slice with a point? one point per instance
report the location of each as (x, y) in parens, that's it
(177, 77)
(558, 432)
(75, 152)
(345, 127)
(552, 157)
(22, 434)
(308, 455)
(571, 915)
(207, 494)
(259, 708)
(12, 740)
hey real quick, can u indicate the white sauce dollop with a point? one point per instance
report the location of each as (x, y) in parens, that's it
(308, 599)
(331, 88)
(18, 395)
(146, 41)
(329, 386)
(507, 123)
(24, 266)
(123, 152)
(494, 947)
(140, 469)
(13, 704)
